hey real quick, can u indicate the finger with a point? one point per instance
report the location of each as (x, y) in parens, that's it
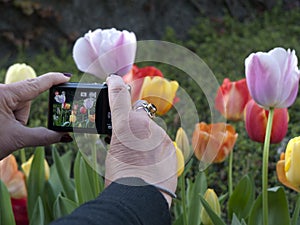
(29, 89)
(40, 136)
(119, 98)
(22, 112)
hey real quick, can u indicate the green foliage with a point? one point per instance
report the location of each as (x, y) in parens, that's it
(242, 199)
(278, 208)
(36, 182)
(6, 213)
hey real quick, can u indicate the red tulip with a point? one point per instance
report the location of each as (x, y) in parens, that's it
(82, 110)
(135, 79)
(14, 180)
(256, 121)
(232, 98)
(20, 210)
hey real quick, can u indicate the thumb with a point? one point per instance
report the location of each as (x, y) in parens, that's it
(41, 136)
(119, 98)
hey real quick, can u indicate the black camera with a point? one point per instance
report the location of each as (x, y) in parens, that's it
(79, 107)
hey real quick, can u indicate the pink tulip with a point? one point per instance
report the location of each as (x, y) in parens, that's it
(107, 51)
(273, 77)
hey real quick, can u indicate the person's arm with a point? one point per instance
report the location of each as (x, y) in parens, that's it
(129, 201)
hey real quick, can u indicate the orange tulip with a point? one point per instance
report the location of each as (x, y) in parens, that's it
(213, 142)
(160, 92)
(232, 98)
(256, 121)
(12, 177)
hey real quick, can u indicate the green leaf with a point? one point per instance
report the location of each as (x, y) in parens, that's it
(242, 198)
(65, 180)
(83, 181)
(278, 208)
(48, 201)
(6, 212)
(63, 207)
(36, 179)
(213, 216)
(54, 180)
(193, 191)
(235, 221)
(38, 217)
(96, 181)
(179, 220)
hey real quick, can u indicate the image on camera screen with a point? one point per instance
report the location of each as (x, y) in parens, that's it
(74, 108)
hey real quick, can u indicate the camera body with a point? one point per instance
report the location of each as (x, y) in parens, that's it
(79, 107)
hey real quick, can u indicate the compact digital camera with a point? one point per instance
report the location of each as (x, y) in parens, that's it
(79, 107)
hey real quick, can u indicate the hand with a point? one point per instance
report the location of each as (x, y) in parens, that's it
(15, 101)
(139, 147)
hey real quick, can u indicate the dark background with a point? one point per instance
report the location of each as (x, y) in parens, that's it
(33, 26)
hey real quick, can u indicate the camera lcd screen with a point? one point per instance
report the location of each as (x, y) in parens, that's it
(81, 108)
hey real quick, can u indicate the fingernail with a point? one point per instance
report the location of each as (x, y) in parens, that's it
(107, 139)
(66, 138)
(67, 74)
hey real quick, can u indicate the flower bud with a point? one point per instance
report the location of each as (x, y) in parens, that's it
(182, 142)
(180, 160)
(18, 72)
(27, 166)
(212, 199)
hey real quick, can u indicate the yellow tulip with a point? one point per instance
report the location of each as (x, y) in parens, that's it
(212, 199)
(287, 167)
(27, 166)
(12, 177)
(182, 142)
(180, 160)
(18, 72)
(72, 118)
(160, 92)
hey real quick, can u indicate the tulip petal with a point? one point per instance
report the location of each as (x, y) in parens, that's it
(85, 57)
(282, 177)
(263, 79)
(292, 159)
(104, 52)
(8, 168)
(16, 186)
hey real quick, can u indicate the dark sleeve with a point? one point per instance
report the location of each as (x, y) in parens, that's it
(135, 204)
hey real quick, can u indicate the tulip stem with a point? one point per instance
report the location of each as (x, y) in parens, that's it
(22, 156)
(265, 166)
(296, 211)
(230, 188)
(183, 200)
